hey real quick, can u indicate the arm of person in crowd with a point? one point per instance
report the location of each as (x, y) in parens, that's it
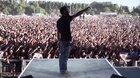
(12, 47)
(6, 49)
(45, 47)
(59, 35)
(29, 50)
(35, 50)
(80, 12)
(18, 48)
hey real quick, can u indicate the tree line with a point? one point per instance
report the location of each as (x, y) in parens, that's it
(18, 7)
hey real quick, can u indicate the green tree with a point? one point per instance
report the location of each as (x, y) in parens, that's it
(13, 6)
(29, 10)
(21, 7)
(126, 9)
(7, 10)
(106, 9)
(136, 11)
(120, 11)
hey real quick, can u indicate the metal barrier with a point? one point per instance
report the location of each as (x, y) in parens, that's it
(10, 68)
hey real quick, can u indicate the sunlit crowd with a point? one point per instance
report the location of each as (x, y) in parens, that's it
(93, 37)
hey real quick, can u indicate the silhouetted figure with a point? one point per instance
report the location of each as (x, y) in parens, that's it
(29, 76)
(64, 36)
(116, 76)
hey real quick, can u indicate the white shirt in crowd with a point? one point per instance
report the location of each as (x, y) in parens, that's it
(1, 54)
(38, 56)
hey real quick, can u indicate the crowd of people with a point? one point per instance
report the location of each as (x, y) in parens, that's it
(93, 37)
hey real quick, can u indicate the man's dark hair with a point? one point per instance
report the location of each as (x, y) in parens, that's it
(63, 9)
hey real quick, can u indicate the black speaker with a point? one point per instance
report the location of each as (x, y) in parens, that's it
(116, 76)
(28, 76)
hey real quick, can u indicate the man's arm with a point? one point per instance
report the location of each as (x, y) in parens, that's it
(58, 35)
(80, 12)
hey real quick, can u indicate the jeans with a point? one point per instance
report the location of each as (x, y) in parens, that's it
(64, 50)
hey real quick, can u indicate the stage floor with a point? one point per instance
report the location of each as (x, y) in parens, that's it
(78, 68)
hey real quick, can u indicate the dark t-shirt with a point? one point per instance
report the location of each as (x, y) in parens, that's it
(63, 27)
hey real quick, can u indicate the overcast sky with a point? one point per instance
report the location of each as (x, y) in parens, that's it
(130, 3)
